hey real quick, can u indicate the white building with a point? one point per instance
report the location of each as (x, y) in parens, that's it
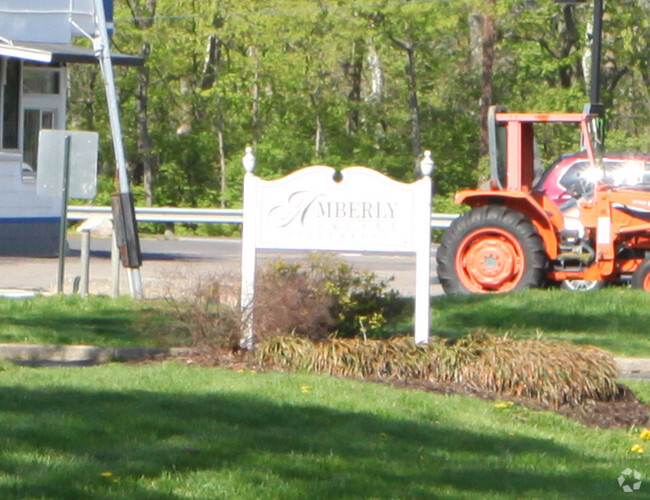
(36, 47)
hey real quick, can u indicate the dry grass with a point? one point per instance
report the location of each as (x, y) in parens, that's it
(551, 372)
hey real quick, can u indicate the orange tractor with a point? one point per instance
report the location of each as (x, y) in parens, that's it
(514, 237)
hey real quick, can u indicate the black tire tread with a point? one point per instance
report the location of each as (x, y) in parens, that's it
(639, 275)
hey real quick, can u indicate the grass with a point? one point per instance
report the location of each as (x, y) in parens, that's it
(98, 321)
(614, 318)
(172, 431)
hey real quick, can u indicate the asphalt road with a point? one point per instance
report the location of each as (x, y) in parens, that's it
(175, 265)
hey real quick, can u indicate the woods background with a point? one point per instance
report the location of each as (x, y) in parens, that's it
(343, 82)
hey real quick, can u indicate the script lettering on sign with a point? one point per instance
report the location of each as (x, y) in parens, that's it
(362, 211)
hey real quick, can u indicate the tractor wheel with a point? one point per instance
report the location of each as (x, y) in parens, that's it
(581, 285)
(641, 277)
(491, 249)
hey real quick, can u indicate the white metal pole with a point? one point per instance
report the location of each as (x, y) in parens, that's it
(422, 319)
(115, 267)
(101, 44)
(248, 250)
(85, 262)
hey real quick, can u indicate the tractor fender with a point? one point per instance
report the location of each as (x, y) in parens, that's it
(543, 213)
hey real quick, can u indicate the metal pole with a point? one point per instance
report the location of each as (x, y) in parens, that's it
(596, 106)
(64, 213)
(115, 267)
(596, 52)
(85, 262)
(101, 45)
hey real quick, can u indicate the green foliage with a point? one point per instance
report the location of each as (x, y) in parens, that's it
(287, 74)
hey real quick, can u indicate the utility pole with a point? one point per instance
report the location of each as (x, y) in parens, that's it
(123, 211)
(595, 106)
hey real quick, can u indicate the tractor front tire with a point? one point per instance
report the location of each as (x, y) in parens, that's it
(491, 249)
(582, 285)
(641, 277)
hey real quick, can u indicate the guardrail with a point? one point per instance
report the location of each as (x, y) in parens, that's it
(172, 215)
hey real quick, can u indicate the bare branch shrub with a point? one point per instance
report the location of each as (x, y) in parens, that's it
(207, 311)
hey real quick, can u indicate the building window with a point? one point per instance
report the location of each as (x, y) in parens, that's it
(43, 107)
(40, 80)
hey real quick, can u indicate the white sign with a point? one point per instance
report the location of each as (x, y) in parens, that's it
(318, 208)
(82, 159)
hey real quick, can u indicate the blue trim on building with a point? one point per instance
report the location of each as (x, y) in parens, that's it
(30, 220)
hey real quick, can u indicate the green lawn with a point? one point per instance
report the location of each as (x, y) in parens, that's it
(172, 431)
(614, 318)
(99, 321)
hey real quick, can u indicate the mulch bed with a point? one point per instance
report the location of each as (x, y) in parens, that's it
(624, 411)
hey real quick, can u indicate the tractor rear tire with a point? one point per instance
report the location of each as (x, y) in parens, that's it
(641, 277)
(491, 249)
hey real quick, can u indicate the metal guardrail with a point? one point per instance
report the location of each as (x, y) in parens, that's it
(198, 215)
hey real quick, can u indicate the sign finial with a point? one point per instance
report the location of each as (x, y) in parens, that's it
(249, 161)
(426, 165)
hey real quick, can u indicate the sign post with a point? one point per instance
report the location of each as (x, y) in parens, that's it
(67, 167)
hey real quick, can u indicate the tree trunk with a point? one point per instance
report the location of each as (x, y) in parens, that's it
(353, 70)
(487, 68)
(416, 146)
(144, 140)
(319, 142)
(143, 15)
(255, 91)
(376, 75)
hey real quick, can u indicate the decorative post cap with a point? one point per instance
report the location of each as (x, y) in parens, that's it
(426, 165)
(249, 161)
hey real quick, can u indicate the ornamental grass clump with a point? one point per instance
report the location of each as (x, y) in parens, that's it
(553, 373)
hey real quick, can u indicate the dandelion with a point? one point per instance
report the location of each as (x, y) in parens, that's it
(637, 448)
(504, 405)
(645, 434)
(106, 474)
(305, 388)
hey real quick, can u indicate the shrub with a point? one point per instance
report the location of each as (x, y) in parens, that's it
(208, 312)
(288, 299)
(316, 299)
(321, 297)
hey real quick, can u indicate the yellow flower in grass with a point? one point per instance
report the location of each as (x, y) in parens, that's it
(637, 448)
(305, 388)
(106, 474)
(509, 404)
(645, 434)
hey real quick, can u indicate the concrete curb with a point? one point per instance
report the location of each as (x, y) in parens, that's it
(85, 354)
(633, 366)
